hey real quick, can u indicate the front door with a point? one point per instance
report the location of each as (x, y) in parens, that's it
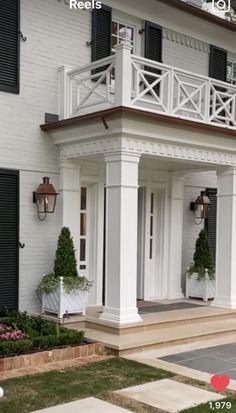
(9, 239)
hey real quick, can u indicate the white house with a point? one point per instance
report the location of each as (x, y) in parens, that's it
(128, 141)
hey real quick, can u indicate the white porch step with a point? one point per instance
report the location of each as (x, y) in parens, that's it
(128, 343)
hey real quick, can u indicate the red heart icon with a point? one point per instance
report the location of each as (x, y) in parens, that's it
(220, 382)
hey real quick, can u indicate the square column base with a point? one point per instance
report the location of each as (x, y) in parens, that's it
(175, 296)
(224, 302)
(121, 317)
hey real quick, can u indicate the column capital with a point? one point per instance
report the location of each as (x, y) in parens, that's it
(227, 171)
(68, 164)
(122, 156)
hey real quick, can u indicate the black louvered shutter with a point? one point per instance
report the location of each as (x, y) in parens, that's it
(9, 45)
(101, 32)
(9, 239)
(218, 63)
(210, 223)
(153, 49)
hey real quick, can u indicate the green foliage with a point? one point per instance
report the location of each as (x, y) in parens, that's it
(49, 283)
(10, 348)
(80, 283)
(43, 334)
(202, 257)
(65, 260)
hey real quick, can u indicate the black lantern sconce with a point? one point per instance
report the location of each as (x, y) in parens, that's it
(200, 207)
(45, 198)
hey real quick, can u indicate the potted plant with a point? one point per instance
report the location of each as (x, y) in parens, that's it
(64, 291)
(200, 279)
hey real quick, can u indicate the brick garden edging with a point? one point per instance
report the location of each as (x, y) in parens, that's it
(50, 356)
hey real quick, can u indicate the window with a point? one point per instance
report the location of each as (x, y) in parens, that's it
(231, 72)
(83, 229)
(122, 33)
(9, 45)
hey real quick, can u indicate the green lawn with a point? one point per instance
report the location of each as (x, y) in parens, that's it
(29, 393)
(100, 379)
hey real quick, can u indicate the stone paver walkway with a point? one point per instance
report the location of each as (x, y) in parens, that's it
(213, 360)
(89, 405)
(169, 395)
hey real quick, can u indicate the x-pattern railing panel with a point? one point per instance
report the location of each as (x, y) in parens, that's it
(91, 85)
(151, 86)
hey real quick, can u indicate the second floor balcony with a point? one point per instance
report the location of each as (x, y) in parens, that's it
(124, 79)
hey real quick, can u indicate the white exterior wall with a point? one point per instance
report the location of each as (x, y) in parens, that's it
(55, 36)
(185, 52)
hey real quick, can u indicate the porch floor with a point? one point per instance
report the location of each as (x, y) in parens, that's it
(165, 328)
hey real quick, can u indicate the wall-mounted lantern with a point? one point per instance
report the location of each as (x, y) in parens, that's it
(45, 198)
(200, 207)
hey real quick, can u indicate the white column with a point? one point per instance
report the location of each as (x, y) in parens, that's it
(175, 236)
(70, 199)
(226, 239)
(121, 238)
(123, 83)
(64, 92)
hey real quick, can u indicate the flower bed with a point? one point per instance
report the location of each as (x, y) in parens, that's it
(21, 334)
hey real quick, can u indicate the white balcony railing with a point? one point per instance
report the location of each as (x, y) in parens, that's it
(127, 80)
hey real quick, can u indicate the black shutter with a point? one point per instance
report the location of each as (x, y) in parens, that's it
(218, 63)
(153, 49)
(9, 241)
(210, 223)
(9, 45)
(101, 32)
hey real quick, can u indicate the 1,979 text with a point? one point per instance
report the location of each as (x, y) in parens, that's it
(220, 405)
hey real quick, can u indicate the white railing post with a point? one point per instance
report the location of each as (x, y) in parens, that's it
(64, 92)
(170, 103)
(208, 101)
(123, 75)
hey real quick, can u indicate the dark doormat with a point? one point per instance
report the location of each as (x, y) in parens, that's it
(167, 307)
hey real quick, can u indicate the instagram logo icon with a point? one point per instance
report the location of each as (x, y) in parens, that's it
(221, 5)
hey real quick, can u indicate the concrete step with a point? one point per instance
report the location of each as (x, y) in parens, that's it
(159, 320)
(129, 343)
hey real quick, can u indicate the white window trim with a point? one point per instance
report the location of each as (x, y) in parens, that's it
(134, 25)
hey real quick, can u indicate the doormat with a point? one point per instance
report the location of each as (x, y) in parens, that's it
(167, 307)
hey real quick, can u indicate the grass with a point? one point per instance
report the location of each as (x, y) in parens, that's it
(98, 379)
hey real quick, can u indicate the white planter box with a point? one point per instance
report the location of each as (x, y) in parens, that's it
(204, 289)
(59, 302)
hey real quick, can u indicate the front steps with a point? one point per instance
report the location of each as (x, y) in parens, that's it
(165, 336)
(157, 329)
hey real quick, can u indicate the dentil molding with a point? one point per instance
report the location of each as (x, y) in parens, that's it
(147, 147)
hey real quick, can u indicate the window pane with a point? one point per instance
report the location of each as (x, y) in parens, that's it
(152, 202)
(82, 267)
(114, 28)
(82, 249)
(150, 253)
(83, 224)
(151, 226)
(83, 198)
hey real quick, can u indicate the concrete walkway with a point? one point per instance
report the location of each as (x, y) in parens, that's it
(89, 405)
(169, 395)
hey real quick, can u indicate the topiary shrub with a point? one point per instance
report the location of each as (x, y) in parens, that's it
(202, 258)
(65, 266)
(65, 262)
